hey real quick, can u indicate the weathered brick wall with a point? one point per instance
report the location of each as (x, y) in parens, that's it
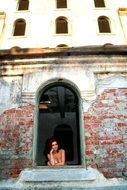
(16, 136)
(106, 133)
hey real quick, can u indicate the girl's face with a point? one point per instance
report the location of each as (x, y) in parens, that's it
(55, 145)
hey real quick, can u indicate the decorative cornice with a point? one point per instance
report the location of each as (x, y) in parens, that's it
(23, 53)
(97, 59)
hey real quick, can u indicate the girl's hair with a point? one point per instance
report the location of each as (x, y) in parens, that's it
(49, 145)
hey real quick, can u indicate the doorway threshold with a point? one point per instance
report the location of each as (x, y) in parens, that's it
(57, 174)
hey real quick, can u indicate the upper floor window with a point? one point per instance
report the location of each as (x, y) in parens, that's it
(61, 25)
(23, 5)
(99, 3)
(104, 25)
(61, 4)
(19, 27)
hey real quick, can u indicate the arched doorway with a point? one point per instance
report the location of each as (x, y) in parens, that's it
(59, 117)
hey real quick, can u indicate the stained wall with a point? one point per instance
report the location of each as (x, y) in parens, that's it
(101, 82)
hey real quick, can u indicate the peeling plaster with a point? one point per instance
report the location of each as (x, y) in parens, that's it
(10, 92)
(116, 81)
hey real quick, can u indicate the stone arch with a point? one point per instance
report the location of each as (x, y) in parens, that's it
(81, 157)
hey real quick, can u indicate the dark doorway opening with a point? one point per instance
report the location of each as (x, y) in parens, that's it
(59, 117)
(64, 135)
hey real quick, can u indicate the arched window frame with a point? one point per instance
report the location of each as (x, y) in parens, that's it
(57, 26)
(104, 27)
(62, 5)
(19, 23)
(62, 46)
(23, 5)
(99, 3)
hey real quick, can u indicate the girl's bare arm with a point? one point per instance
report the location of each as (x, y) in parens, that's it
(51, 158)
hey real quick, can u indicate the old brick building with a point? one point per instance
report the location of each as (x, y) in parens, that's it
(60, 77)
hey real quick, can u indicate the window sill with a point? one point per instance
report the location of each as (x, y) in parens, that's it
(22, 11)
(101, 8)
(109, 34)
(62, 9)
(62, 34)
(18, 37)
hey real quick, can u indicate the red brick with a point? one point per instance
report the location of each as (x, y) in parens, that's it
(112, 143)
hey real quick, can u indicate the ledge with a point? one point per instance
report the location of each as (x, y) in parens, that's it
(57, 174)
(23, 53)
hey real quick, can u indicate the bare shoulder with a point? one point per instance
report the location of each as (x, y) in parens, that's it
(62, 150)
